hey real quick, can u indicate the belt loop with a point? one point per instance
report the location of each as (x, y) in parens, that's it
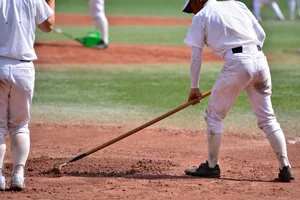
(258, 48)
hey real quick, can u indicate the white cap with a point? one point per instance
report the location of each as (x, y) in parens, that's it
(186, 8)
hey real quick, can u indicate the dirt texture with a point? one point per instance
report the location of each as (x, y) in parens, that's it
(149, 164)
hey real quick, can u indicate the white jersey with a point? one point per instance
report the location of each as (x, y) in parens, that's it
(237, 29)
(14, 33)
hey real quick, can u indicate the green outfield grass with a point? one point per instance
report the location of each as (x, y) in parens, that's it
(135, 94)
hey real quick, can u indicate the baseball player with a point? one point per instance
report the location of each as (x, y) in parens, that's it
(273, 3)
(18, 20)
(292, 7)
(231, 31)
(96, 8)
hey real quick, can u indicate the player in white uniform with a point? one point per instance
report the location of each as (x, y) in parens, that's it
(273, 3)
(231, 31)
(97, 12)
(292, 7)
(18, 20)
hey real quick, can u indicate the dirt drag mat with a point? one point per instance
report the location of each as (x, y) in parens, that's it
(149, 164)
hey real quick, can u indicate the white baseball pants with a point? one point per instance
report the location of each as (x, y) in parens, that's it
(16, 92)
(247, 71)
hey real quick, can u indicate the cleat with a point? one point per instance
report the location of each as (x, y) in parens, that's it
(286, 174)
(17, 182)
(204, 171)
(101, 45)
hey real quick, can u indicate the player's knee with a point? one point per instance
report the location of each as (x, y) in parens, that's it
(3, 132)
(269, 126)
(99, 16)
(18, 130)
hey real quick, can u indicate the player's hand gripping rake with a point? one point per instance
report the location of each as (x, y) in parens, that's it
(57, 166)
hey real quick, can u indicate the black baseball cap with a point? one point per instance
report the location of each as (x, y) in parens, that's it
(186, 8)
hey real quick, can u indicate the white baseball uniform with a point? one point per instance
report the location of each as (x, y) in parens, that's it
(97, 12)
(273, 3)
(231, 31)
(18, 20)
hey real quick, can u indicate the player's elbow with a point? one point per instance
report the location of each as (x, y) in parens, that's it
(47, 25)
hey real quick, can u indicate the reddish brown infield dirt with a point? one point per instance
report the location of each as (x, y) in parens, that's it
(150, 163)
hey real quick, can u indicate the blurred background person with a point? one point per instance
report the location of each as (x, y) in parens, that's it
(292, 7)
(257, 4)
(96, 8)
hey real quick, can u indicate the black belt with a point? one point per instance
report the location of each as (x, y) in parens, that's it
(240, 49)
(25, 60)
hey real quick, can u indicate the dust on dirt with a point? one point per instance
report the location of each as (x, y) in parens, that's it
(149, 164)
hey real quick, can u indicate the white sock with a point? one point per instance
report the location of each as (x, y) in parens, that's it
(2, 155)
(278, 143)
(277, 10)
(20, 146)
(214, 141)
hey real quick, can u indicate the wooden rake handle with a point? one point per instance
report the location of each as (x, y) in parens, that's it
(112, 141)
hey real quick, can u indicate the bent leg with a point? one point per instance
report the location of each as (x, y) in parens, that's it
(231, 81)
(259, 95)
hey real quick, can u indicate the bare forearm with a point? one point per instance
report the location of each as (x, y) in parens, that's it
(48, 24)
(51, 19)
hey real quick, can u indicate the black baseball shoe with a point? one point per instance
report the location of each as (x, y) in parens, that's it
(204, 171)
(101, 45)
(286, 174)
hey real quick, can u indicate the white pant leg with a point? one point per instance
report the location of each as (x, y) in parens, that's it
(98, 14)
(292, 8)
(298, 8)
(233, 78)
(256, 9)
(277, 10)
(22, 76)
(4, 97)
(259, 95)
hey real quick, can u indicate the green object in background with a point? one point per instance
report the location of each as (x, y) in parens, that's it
(93, 38)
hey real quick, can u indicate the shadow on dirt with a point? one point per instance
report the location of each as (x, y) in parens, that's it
(157, 176)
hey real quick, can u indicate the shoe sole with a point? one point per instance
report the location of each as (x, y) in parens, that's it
(207, 176)
(17, 187)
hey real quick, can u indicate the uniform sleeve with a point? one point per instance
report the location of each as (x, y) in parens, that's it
(195, 66)
(43, 11)
(260, 33)
(195, 35)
